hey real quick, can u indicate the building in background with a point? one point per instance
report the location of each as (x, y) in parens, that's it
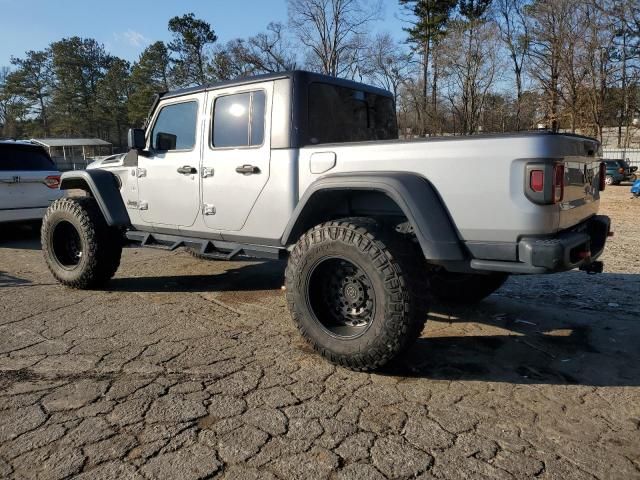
(75, 153)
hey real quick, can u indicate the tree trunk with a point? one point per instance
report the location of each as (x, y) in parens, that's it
(425, 86)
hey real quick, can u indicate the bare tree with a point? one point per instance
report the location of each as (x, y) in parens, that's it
(470, 64)
(271, 51)
(514, 33)
(266, 52)
(427, 21)
(572, 63)
(625, 15)
(332, 31)
(387, 63)
(599, 64)
(548, 36)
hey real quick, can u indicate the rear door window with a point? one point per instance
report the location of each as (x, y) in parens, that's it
(19, 158)
(175, 127)
(238, 120)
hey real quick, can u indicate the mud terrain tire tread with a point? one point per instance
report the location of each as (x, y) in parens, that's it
(405, 313)
(102, 245)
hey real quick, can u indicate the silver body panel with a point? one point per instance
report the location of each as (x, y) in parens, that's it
(479, 179)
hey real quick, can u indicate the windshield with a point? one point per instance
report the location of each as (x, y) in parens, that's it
(24, 158)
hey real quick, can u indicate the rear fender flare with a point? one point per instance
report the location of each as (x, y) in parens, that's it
(105, 188)
(414, 195)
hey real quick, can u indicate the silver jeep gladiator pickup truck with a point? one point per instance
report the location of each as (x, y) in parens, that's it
(307, 167)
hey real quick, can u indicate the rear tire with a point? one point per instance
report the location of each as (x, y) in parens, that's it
(608, 180)
(464, 288)
(348, 290)
(80, 249)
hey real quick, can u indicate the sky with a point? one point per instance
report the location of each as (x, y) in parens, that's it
(125, 27)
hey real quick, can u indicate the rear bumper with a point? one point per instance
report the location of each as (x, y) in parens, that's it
(576, 247)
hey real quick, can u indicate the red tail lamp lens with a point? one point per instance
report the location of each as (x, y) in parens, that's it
(52, 181)
(558, 183)
(536, 180)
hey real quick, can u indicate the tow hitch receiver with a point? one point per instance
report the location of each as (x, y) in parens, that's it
(593, 267)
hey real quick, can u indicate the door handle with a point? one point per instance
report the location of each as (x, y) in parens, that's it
(247, 169)
(187, 170)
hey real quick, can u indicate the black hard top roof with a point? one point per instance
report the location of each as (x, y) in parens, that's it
(296, 75)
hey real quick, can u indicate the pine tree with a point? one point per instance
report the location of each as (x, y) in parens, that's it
(428, 23)
(149, 76)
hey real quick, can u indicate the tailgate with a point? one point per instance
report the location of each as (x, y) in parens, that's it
(581, 181)
(26, 189)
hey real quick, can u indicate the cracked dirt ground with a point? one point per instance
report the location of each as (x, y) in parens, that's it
(193, 369)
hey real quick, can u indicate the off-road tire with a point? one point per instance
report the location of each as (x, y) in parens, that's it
(100, 246)
(464, 288)
(400, 304)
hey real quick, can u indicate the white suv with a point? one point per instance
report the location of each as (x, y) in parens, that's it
(29, 181)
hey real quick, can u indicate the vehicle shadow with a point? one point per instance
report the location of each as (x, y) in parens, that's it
(503, 339)
(7, 280)
(493, 342)
(248, 277)
(21, 236)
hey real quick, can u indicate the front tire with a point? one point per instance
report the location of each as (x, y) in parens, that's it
(464, 288)
(80, 249)
(348, 290)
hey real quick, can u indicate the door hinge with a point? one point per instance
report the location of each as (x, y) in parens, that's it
(208, 209)
(207, 172)
(142, 205)
(141, 172)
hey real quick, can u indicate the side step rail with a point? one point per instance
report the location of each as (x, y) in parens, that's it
(215, 249)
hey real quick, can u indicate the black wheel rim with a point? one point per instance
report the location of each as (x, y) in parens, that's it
(341, 297)
(66, 245)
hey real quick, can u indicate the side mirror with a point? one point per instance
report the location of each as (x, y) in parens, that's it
(135, 139)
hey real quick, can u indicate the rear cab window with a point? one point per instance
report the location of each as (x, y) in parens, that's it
(338, 114)
(24, 158)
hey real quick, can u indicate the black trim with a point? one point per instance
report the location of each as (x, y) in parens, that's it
(24, 208)
(104, 187)
(296, 75)
(215, 249)
(577, 247)
(413, 194)
(503, 251)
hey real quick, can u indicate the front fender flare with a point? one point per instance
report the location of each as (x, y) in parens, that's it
(414, 194)
(104, 187)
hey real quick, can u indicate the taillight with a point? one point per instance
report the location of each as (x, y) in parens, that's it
(52, 181)
(621, 170)
(544, 181)
(603, 176)
(558, 182)
(536, 180)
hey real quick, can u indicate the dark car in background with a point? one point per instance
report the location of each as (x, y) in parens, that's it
(619, 171)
